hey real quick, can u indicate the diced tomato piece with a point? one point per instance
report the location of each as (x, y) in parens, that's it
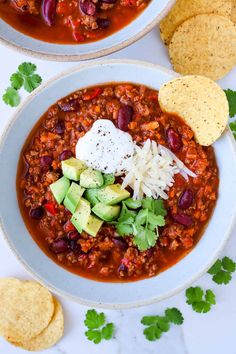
(93, 94)
(51, 208)
(68, 226)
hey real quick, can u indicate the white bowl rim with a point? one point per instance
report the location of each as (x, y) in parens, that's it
(100, 53)
(40, 278)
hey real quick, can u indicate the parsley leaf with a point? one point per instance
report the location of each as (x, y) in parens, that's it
(232, 126)
(200, 302)
(231, 96)
(16, 81)
(222, 270)
(174, 316)
(32, 82)
(97, 330)
(159, 324)
(27, 69)
(11, 97)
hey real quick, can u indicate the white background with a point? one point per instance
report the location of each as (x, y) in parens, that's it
(211, 333)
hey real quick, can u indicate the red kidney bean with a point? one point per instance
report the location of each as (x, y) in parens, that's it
(59, 246)
(36, 213)
(109, 1)
(60, 127)
(173, 139)
(74, 246)
(88, 7)
(70, 106)
(125, 115)
(103, 23)
(66, 154)
(120, 243)
(73, 235)
(182, 219)
(185, 199)
(49, 11)
(46, 161)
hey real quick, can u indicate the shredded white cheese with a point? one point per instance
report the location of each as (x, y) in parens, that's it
(152, 171)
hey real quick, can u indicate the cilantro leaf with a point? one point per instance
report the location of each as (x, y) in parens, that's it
(231, 97)
(94, 320)
(222, 277)
(174, 315)
(152, 333)
(159, 324)
(145, 238)
(27, 69)
(124, 229)
(97, 330)
(94, 335)
(222, 270)
(232, 126)
(32, 82)
(215, 268)
(155, 220)
(108, 331)
(16, 81)
(200, 302)
(154, 205)
(11, 97)
(228, 264)
(194, 295)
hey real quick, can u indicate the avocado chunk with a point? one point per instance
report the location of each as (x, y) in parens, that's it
(60, 188)
(106, 212)
(109, 178)
(112, 194)
(92, 196)
(90, 178)
(72, 168)
(81, 215)
(93, 225)
(73, 196)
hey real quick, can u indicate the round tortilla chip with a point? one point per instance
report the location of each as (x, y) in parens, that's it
(26, 308)
(233, 14)
(49, 336)
(200, 102)
(204, 45)
(184, 9)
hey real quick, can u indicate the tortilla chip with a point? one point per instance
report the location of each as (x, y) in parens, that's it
(200, 102)
(49, 336)
(204, 45)
(233, 14)
(26, 308)
(184, 9)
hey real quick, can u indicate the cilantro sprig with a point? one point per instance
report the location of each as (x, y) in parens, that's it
(201, 302)
(231, 97)
(143, 223)
(232, 126)
(157, 325)
(25, 77)
(222, 270)
(97, 327)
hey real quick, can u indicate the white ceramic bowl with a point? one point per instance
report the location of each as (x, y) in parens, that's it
(149, 18)
(59, 280)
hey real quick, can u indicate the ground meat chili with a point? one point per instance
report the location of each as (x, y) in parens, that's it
(70, 21)
(108, 257)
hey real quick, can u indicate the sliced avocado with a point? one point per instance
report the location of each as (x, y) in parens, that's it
(72, 168)
(90, 178)
(109, 178)
(93, 225)
(60, 188)
(106, 212)
(112, 194)
(92, 196)
(81, 215)
(73, 196)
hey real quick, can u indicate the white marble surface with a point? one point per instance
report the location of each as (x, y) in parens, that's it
(212, 333)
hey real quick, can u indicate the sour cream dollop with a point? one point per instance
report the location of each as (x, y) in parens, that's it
(106, 148)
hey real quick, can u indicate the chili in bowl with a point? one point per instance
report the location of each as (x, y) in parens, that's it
(77, 29)
(114, 193)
